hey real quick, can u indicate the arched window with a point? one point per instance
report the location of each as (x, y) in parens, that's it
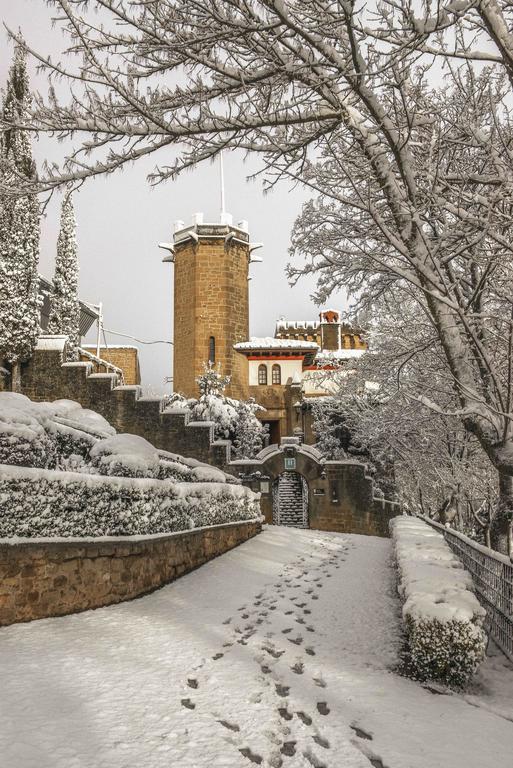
(262, 374)
(276, 374)
(212, 349)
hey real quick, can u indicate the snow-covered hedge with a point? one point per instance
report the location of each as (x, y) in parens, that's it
(63, 435)
(41, 502)
(443, 617)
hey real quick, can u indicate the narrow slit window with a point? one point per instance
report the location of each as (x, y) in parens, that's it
(262, 374)
(212, 349)
(276, 374)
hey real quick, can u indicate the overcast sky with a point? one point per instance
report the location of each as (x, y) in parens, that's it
(121, 219)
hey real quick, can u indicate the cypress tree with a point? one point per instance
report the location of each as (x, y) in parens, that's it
(65, 308)
(19, 228)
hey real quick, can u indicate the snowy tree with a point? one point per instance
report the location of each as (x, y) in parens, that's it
(329, 427)
(65, 308)
(225, 412)
(19, 229)
(414, 183)
(249, 432)
(211, 381)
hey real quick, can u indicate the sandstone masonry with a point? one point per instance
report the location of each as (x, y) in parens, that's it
(40, 578)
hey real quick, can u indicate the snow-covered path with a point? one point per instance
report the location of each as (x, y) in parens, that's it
(277, 653)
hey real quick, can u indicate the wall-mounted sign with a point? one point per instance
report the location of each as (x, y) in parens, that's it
(264, 486)
(319, 492)
(290, 463)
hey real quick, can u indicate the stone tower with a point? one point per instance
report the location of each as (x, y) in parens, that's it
(211, 311)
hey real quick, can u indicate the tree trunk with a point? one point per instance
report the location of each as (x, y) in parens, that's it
(503, 517)
(16, 376)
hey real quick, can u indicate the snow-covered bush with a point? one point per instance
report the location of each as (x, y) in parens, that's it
(23, 438)
(125, 456)
(442, 615)
(233, 420)
(40, 502)
(47, 434)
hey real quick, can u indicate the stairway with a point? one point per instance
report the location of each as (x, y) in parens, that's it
(290, 500)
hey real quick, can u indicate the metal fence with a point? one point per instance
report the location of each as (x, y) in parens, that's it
(492, 574)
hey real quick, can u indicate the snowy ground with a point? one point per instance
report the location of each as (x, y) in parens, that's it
(277, 653)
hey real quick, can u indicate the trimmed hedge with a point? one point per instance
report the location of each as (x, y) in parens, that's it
(443, 617)
(40, 502)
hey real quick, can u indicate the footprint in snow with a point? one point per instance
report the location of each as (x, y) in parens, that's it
(188, 704)
(361, 733)
(296, 640)
(286, 631)
(310, 651)
(230, 726)
(313, 759)
(285, 714)
(321, 741)
(217, 656)
(246, 752)
(323, 708)
(298, 668)
(282, 690)
(288, 748)
(192, 682)
(320, 682)
(306, 719)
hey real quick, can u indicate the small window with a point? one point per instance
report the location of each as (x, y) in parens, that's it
(276, 374)
(212, 349)
(262, 374)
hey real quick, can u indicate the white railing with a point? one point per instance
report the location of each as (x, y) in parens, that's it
(492, 574)
(104, 363)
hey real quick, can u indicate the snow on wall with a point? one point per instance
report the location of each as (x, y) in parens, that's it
(269, 342)
(42, 502)
(443, 617)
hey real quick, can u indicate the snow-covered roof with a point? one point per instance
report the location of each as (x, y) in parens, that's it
(269, 342)
(326, 355)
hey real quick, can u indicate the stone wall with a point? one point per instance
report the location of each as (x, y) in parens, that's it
(124, 357)
(45, 377)
(40, 578)
(340, 494)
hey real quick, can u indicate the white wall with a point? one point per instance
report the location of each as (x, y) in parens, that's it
(288, 369)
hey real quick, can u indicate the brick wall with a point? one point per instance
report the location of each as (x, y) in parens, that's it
(45, 578)
(210, 299)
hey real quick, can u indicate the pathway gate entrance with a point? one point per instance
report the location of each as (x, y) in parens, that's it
(290, 500)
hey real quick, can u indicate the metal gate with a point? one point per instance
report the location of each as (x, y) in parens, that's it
(290, 500)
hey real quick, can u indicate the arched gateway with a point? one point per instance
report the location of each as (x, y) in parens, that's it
(298, 488)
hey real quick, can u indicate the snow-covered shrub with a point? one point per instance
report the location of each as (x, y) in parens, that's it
(442, 615)
(23, 438)
(40, 502)
(125, 456)
(46, 434)
(233, 420)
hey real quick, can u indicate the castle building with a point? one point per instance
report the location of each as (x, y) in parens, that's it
(211, 323)
(211, 305)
